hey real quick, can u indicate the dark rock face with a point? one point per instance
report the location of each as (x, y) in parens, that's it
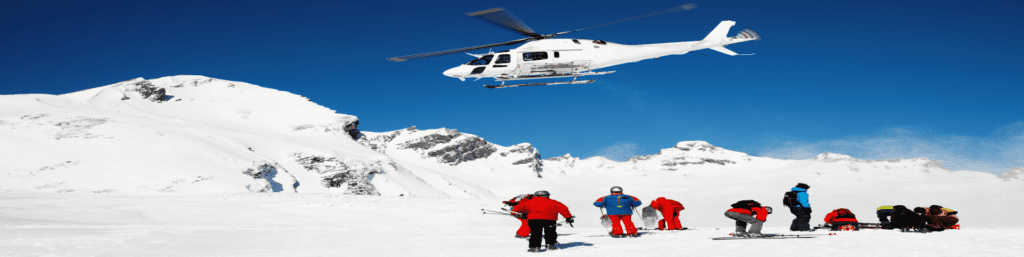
(353, 130)
(533, 161)
(465, 150)
(429, 141)
(694, 161)
(337, 174)
(266, 172)
(150, 91)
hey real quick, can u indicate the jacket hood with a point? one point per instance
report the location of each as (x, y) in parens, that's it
(660, 199)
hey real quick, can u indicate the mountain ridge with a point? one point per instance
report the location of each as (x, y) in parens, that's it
(196, 134)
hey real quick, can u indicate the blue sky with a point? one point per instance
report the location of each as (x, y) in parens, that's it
(870, 79)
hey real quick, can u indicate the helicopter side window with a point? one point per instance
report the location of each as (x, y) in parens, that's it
(576, 41)
(556, 54)
(482, 61)
(600, 42)
(503, 59)
(535, 56)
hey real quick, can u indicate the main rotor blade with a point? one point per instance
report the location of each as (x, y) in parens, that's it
(685, 7)
(452, 51)
(504, 18)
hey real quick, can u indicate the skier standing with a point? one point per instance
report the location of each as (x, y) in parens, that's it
(802, 222)
(748, 211)
(620, 207)
(524, 229)
(542, 212)
(842, 217)
(670, 210)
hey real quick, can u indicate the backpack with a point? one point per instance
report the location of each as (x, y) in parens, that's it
(844, 213)
(746, 204)
(790, 199)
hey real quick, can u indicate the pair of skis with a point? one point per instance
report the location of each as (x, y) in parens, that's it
(767, 236)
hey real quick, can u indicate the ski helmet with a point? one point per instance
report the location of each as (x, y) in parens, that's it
(542, 193)
(616, 189)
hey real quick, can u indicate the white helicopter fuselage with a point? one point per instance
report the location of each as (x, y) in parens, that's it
(568, 57)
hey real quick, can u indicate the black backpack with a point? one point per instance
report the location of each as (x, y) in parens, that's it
(790, 199)
(746, 204)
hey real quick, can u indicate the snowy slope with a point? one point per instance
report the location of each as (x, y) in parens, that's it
(200, 135)
(189, 134)
(167, 167)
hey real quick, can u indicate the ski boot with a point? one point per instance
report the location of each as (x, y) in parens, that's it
(552, 247)
(534, 250)
(739, 234)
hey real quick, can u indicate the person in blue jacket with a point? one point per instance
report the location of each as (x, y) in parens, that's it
(620, 207)
(802, 222)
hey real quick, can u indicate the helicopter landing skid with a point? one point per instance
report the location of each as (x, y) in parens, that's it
(574, 82)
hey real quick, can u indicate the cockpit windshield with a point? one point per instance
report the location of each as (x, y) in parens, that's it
(482, 61)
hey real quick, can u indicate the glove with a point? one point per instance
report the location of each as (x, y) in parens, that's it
(519, 215)
(570, 219)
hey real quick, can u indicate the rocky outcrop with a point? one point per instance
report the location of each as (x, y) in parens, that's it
(268, 179)
(1015, 174)
(148, 91)
(464, 150)
(339, 172)
(532, 157)
(447, 145)
(691, 153)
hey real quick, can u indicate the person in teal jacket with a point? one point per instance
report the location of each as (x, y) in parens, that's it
(620, 207)
(802, 222)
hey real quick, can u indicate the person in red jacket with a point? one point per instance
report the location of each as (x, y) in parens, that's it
(842, 219)
(542, 212)
(748, 211)
(670, 210)
(524, 229)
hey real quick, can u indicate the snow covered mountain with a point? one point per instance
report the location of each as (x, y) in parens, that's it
(200, 135)
(191, 134)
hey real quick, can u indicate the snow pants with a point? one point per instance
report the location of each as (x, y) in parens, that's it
(548, 229)
(743, 219)
(627, 220)
(802, 222)
(524, 230)
(883, 217)
(671, 219)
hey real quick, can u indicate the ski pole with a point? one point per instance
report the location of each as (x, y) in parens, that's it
(602, 219)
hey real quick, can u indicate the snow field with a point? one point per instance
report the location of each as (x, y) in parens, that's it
(46, 224)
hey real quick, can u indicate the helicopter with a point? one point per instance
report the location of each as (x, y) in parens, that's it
(544, 57)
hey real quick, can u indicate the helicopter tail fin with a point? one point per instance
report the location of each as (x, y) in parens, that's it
(721, 31)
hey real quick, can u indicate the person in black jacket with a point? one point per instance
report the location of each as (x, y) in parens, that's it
(802, 211)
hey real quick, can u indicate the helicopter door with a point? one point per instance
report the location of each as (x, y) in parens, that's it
(503, 64)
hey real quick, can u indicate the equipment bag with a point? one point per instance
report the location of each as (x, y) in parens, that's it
(844, 213)
(790, 199)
